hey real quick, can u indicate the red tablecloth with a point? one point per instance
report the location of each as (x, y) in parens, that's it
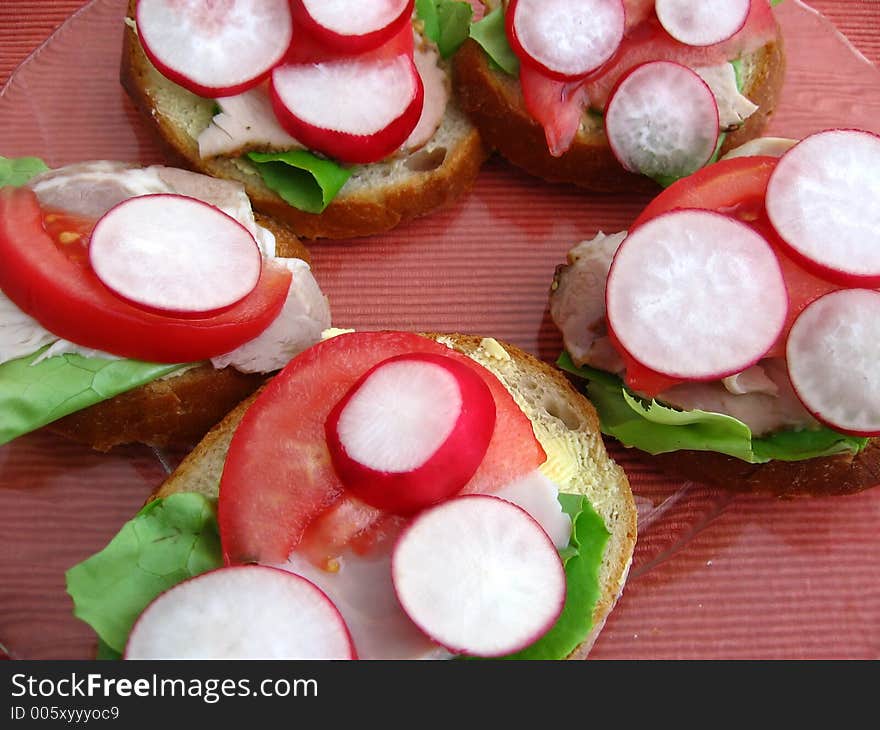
(716, 598)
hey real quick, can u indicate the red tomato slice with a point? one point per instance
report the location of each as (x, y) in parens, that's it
(737, 188)
(648, 41)
(555, 105)
(278, 479)
(50, 280)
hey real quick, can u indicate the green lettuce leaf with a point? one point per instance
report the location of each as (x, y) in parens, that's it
(446, 23)
(491, 35)
(301, 178)
(17, 171)
(658, 429)
(582, 560)
(32, 396)
(168, 541)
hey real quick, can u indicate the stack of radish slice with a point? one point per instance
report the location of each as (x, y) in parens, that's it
(343, 83)
(702, 23)
(697, 295)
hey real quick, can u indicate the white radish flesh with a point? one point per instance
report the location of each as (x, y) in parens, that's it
(242, 612)
(566, 38)
(352, 30)
(479, 576)
(353, 110)
(215, 48)
(411, 432)
(696, 295)
(174, 254)
(822, 199)
(704, 22)
(662, 121)
(833, 352)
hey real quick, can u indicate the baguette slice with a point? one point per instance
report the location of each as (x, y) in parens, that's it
(559, 416)
(494, 102)
(176, 411)
(375, 199)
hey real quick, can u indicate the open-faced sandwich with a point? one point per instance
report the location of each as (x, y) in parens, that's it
(338, 121)
(734, 331)
(387, 495)
(141, 304)
(606, 94)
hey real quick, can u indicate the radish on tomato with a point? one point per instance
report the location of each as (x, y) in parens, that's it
(479, 576)
(565, 38)
(662, 121)
(215, 48)
(53, 283)
(354, 110)
(822, 199)
(174, 254)
(336, 24)
(273, 490)
(241, 612)
(833, 352)
(696, 295)
(702, 23)
(411, 432)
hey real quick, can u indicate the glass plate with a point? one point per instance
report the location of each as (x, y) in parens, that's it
(481, 266)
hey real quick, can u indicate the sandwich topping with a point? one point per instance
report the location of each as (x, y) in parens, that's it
(346, 89)
(342, 473)
(808, 378)
(58, 302)
(572, 57)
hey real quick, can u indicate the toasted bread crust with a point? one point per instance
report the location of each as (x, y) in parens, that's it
(362, 213)
(611, 496)
(176, 412)
(494, 102)
(822, 477)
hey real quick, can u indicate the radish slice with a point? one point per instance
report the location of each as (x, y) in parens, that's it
(241, 612)
(352, 110)
(337, 24)
(662, 121)
(479, 576)
(833, 350)
(702, 23)
(565, 38)
(822, 199)
(215, 48)
(411, 432)
(174, 254)
(696, 295)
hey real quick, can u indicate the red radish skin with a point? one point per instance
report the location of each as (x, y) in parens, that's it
(297, 482)
(411, 432)
(174, 254)
(479, 576)
(241, 612)
(565, 39)
(336, 25)
(352, 110)
(215, 49)
(61, 291)
(703, 23)
(670, 107)
(833, 350)
(822, 201)
(696, 295)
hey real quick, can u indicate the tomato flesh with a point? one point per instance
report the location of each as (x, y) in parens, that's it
(279, 489)
(46, 274)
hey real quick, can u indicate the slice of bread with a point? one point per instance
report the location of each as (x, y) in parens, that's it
(495, 103)
(826, 476)
(375, 199)
(176, 411)
(559, 416)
